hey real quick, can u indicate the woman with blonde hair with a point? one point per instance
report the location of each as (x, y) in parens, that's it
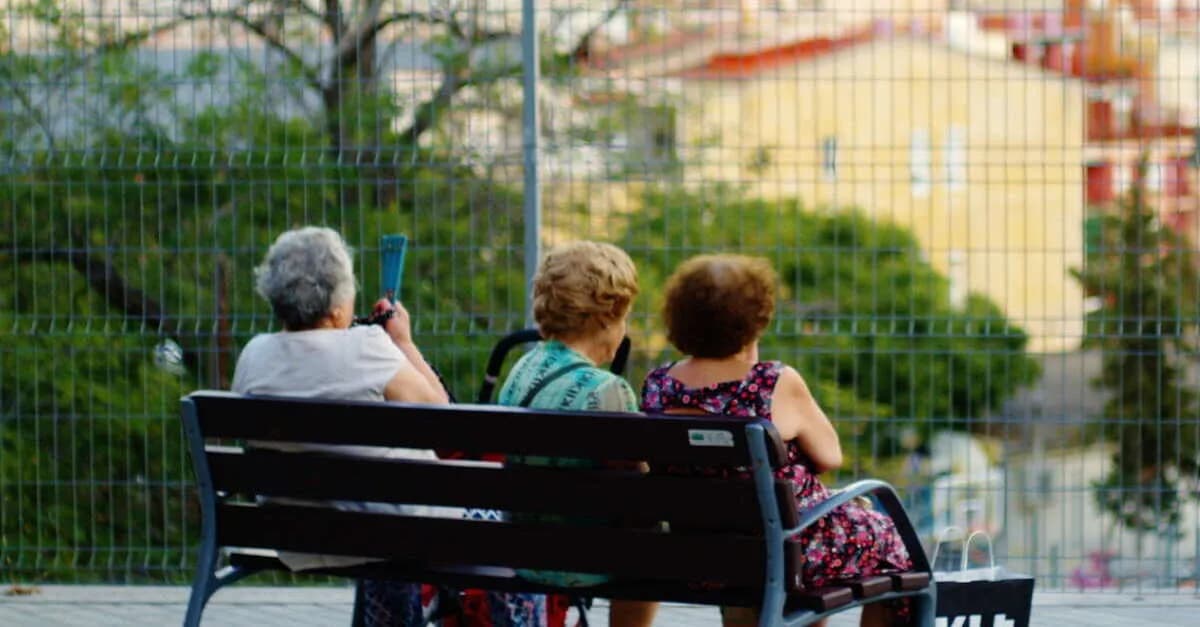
(717, 307)
(582, 295)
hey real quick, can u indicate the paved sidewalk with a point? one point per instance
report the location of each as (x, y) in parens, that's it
(78, 606)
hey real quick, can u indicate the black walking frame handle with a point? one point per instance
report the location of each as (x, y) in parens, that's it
(496, 360)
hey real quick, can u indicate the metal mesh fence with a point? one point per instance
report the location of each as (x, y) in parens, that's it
(983, 215)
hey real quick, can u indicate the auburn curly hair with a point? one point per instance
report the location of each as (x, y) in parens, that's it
(718, 304)
(581, 288)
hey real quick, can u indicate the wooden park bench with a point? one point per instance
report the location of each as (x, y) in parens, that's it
(725, 542)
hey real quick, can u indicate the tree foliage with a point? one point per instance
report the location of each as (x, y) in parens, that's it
(860, 313)
(1145, 275)
(137, 219)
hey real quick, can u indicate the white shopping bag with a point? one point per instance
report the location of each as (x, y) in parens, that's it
(965, 573)
(989, 596)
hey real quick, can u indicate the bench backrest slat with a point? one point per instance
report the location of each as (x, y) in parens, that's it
(603, 519)
(481, 428)
(732, 559)
(718, 503)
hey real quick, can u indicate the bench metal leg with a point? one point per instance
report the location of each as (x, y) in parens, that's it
(357, 613)
(771, 613)
(208, 582)
(923, 608)
(195, 606)
(204, 584)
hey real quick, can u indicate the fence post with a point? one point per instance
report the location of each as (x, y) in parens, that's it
(532, 193)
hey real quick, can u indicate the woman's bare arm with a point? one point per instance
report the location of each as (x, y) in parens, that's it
(411, 386)
(797, 416)
(404, 384)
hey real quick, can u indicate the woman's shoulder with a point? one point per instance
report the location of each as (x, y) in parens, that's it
(366, 333)
(521, 376)
(656, 389)
(532, 362)
(370, 342)
(606, 378)
(258, 342)
(659, 373)
(263, 346)
(772, 370)
(614, 392)
(785, 379)
(371, 335)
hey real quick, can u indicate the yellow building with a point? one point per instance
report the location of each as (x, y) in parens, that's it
(981, 158)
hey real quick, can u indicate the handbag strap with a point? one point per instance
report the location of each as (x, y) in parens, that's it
(546, 380)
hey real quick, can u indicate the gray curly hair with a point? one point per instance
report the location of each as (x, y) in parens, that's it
(306, 273)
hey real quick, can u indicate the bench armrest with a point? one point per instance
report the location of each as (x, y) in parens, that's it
(886, 495)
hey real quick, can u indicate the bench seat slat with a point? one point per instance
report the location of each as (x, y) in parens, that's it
(732, 559)
(694, 440)
(871, 586)
(904, 582)
(479, 577)
(821, 599)
(690, 502)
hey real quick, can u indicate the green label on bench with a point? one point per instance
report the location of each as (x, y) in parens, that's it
(709, 437)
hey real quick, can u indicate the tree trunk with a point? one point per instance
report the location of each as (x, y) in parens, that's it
(223, 339)
(102, 276)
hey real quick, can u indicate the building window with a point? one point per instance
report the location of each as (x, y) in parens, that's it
(1124, 178)
(1154, 177)
(829, 158)
(1100, 183)
(920, 159)
(956, 158)
(1175, 179)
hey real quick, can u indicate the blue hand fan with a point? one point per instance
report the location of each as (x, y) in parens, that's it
(392, 248)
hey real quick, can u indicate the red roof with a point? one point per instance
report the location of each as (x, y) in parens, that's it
(744, 65)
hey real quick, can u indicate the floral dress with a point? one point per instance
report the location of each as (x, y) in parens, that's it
(850, 542)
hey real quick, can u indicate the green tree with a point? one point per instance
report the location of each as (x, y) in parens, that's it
(108, 261)
(136, 218)
(472, 47)
(860, 312)
(236, 167)
(1145, 275)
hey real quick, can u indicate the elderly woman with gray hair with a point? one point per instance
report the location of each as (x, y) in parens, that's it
(308, 279)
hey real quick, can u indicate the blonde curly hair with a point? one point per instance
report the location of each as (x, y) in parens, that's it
(581, 288)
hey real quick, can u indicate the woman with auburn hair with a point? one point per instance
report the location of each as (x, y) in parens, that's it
(582, 294)
(716, 309)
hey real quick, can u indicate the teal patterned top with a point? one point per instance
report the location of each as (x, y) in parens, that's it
(584, 389)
